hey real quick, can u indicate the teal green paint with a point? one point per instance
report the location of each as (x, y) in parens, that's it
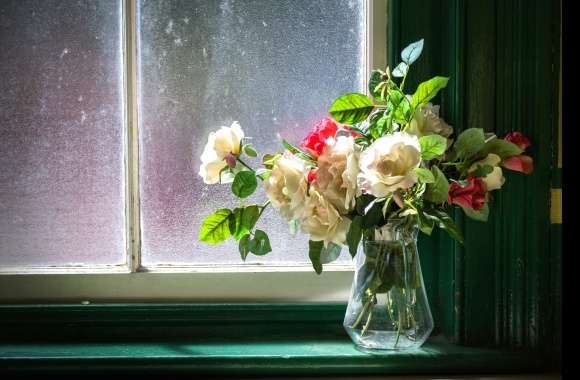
(306, 355)
(504, 77)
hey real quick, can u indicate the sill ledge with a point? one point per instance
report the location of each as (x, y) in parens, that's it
(276, 357)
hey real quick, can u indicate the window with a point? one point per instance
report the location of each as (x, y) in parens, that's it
(106, 109)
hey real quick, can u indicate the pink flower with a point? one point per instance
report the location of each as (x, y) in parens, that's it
(521, 163)
(470, 196)
(518, 139)
(315, 142)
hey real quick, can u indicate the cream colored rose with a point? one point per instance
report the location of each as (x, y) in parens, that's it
(426, 121)
(286, 186)
(495, 179)
(224, 141)
(388, 164)
(322, 221)
(337, 172)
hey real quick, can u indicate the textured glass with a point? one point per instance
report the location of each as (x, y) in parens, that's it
(61, 133)
(275, 66)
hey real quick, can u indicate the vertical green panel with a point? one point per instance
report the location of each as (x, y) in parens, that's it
(502, 56)
(479, 111)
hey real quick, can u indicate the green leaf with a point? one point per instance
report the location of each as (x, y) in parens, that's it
(294, 226)
(502, 148)
(215, 228)
(480, 215)
(436, 192)
(373, 216)
(244, 185)
(432, 146)
(330, 253)
(314, 251)
(319, 254)
(401, 70)
(482, 171)
(245, 246)
(412, 52)
(401, 106)
(374, 81)
(261, 243)
(297, 151)
(428, 90)
(268, 160)
(243, 220)
(426, 224)
(469, 143)
(446, 222)
(351, 108)
(424, 175)
(354, 235)
(250, 151)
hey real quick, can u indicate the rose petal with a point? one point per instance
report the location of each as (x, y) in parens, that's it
(521, 163)
(518, 139)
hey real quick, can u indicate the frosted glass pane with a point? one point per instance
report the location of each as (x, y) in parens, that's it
(61, 133)
(275, 66)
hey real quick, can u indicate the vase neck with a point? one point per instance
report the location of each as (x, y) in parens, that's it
(396, 230)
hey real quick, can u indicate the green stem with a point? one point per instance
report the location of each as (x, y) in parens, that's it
(402, 86)
(367, 323)
(243, 163)
(398, 329)
(362, 313)
(263, 207)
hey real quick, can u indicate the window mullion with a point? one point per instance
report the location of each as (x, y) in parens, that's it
(132, 137)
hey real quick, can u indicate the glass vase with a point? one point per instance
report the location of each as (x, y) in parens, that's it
(388, 307)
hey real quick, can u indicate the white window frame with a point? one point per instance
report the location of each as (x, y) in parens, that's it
(131, 281)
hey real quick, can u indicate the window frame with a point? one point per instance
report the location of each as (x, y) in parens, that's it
(130, 279)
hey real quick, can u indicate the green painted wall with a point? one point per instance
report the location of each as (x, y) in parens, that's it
(501, 288)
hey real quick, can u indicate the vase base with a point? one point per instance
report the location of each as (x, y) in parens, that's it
(379, 341)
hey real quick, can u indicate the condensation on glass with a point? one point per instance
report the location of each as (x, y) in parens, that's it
(275, 66)
(61, 133)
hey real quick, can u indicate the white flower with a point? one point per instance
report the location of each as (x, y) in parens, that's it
(388, 164)
(224, 141)
(322, 221)
(286, 186)
(495, 179)
(337, 172)
(426, 121)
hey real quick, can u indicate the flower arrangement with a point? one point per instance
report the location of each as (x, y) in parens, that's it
(377, 171)
(377, 159)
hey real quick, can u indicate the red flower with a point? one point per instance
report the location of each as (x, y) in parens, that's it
(314, 143)
(518, 139)
(521, 163)
(471, 195)
(312, 175)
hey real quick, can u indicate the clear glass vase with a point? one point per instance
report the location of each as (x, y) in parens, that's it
(388, 307)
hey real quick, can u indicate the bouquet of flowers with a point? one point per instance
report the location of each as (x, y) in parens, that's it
(378, 159)
(385, 158)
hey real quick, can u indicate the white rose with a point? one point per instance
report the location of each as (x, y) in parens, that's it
(322, 221)
(426, 121)
(388, 164)
(286, 186)
(495, 179)
(337, 172)
(224, 141)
